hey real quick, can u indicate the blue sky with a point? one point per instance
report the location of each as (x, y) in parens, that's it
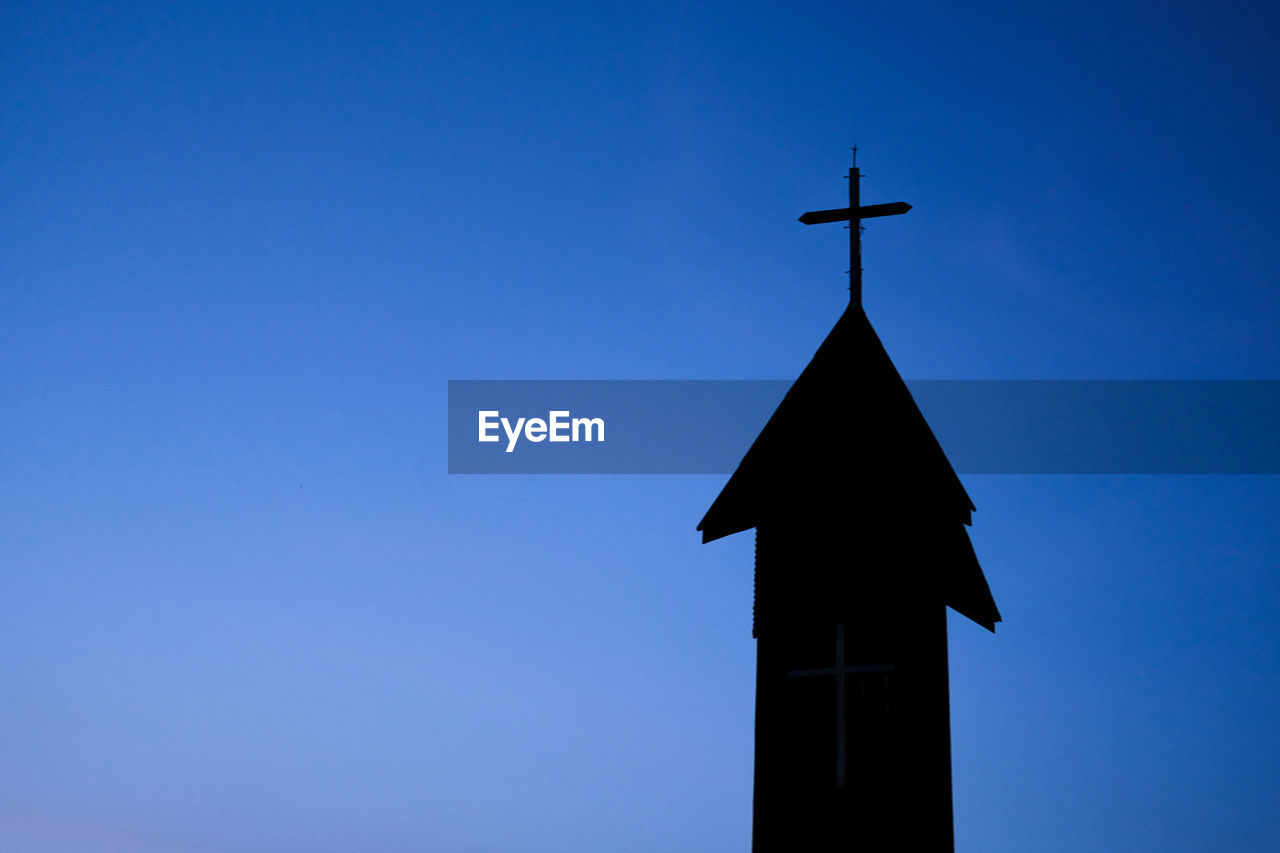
(244, 247)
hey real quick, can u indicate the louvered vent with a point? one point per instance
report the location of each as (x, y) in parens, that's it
(755, 586)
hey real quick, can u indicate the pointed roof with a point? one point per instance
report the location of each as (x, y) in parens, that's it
(848, 446)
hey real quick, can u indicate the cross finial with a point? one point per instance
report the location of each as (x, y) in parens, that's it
(854, 214)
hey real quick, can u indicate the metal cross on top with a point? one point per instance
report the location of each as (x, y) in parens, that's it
(854, 214)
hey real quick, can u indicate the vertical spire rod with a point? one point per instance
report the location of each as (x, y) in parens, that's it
(855, 234)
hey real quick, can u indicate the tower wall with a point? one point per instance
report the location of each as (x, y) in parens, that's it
(894, 791)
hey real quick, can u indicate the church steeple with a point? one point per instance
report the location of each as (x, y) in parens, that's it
(860, 540)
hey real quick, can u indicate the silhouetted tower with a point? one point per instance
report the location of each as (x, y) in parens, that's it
(860, 547)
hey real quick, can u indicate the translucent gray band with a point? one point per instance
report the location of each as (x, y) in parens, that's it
(985, 426)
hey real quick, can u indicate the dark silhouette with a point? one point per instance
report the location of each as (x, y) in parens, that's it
(860, 547)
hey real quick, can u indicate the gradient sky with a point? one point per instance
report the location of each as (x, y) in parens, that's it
(244, 246)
